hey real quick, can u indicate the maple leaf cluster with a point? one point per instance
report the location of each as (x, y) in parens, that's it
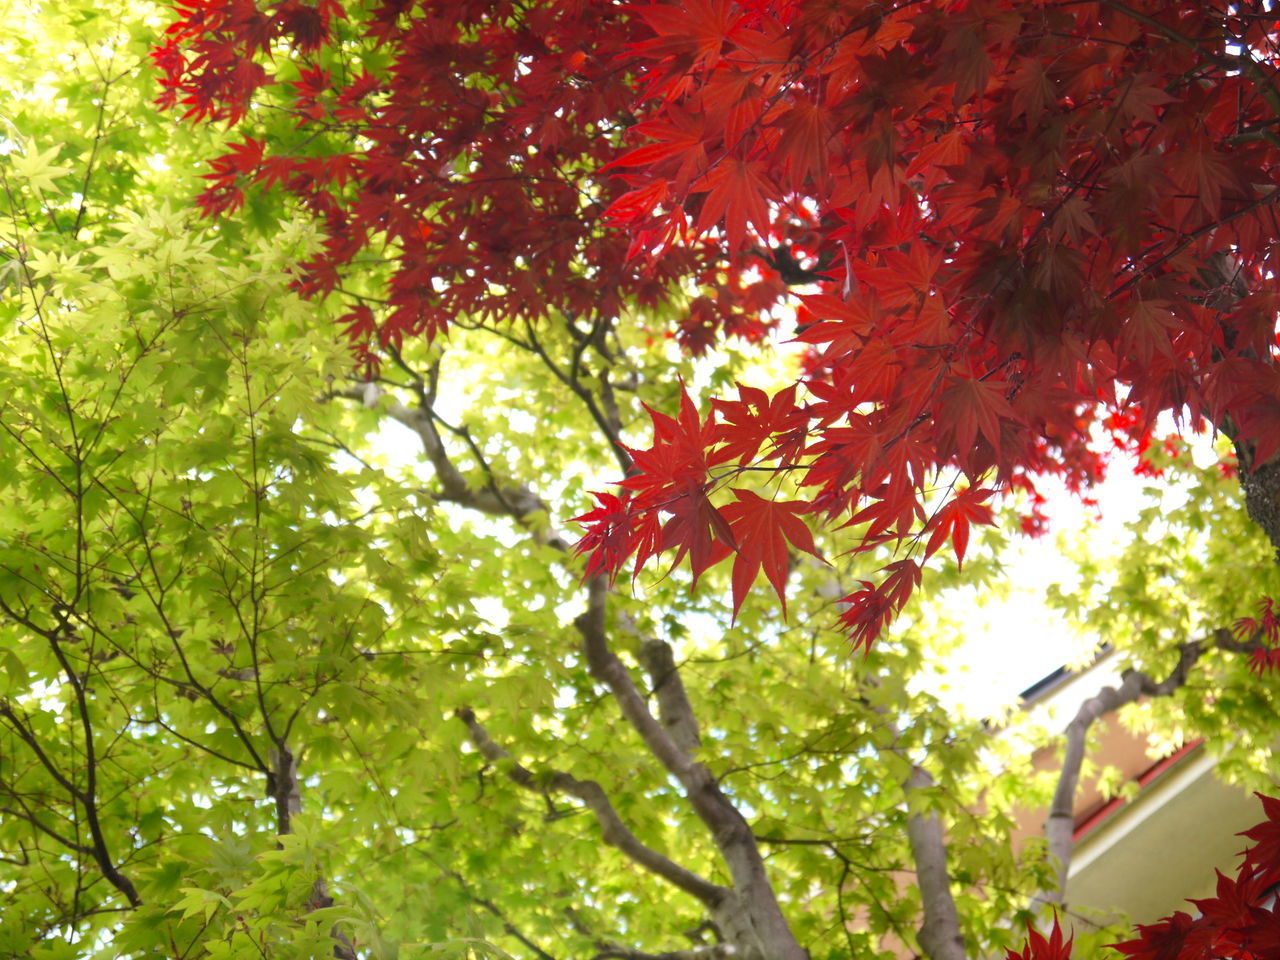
(1266, 629)
(461, 138)
(667, 502)
(1034, 215)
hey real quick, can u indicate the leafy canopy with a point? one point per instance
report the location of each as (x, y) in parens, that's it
(273, 689)
(1022, 220)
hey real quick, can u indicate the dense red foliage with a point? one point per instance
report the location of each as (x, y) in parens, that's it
(461, 139)
(1021, 217)
(1028, 212)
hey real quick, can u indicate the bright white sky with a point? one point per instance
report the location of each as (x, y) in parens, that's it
(1014, 641)
(1011, 642)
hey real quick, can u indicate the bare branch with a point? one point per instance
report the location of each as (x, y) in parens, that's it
(759, 920)
(517, 502)
(606, 420)
(609, 670)
(282, 787)
(674, 709)
(614, 831)
(1059, 828)
(939, 935)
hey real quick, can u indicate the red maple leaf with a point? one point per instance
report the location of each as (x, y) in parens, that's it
(1266, 625)
(872, 606)
(609, 539)
(802, 146)
(1230, 908)
(973, 407)
(739, 192)
(1159, 941)
(1259, 422)
(678, 457)
(698, 529)
(682, 141)
(953, 518)
(763, 529)
(845, 325)
(892, 508)
(867, 613)
(1263, 857)
(1038, 947)
(1263, 935)
(636, 204)
(755, 418)
(1149, 330)
(695, 29)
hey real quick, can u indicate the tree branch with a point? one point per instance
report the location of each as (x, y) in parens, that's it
(1242, 61)
(609, 949)
(85, 796)
(939, 934)
(613, 830)
(282, 786)
(492, 908)
(40, 825)
(608, 425)
(610, 671)
(1059, 828)
(749, 912)
(759, 920)
(517, 502)
(674, 710)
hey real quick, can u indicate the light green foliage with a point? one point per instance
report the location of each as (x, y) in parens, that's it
(1194, 565)
(182, 571)
(241, 606)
